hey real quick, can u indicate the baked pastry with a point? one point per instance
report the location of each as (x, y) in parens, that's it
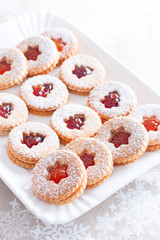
(82, 73)
(73, 121)
(41, 54)
(65, 40)
(13, 112)
(126, 137)
(96, 157)
(59, 177)
(13, 67)
(112, 99)
(30, 142)
(43, 94)
(149, 115)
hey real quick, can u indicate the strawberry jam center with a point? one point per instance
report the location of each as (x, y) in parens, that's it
(32, 53)
(5, 110)
(42, 90)
(32, 139)
(4, 67)
(75, 122)
(88, 160)
(151, 124)
(59, 44)
(111, 100)
(120, 137)
(82, 71)
(58, 172)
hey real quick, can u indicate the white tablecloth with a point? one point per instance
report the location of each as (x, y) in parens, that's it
(129, 29)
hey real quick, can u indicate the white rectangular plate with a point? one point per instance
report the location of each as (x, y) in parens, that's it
(19, 179)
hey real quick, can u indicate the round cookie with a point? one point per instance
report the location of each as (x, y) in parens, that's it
(43, 94)
(41, 53)
(126, 137)
(82, 73)
(13, 67)
(149, 115)
(73, 121)
(59, 177)
(96, 157)
(65, 40)
(30, 142)
(13, 112)
(112, 99)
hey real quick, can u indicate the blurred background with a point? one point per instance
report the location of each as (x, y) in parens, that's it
(129, 29)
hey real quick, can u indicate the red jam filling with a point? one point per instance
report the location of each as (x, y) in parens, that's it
(32, 53)
(119, 138)
(111, 100)
(59, 44)
(5, 110)
(88, 160)
(58, 172)
(151, 124)
(75, 122)
(42, 90)
(32, 139)
(82, 71)
(4, 67)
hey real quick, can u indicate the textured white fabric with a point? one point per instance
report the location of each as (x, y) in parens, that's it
(130, 31)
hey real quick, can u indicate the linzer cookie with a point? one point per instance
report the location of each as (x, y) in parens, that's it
(126, 137)
(74, 121)
(65, 40)
(112, 99)
(41, 54)
(59, 178)
(30, 142)
(96, 157)
(13, 67)
(149, 116)
(43, 94)
(82, 73)
(13, 112)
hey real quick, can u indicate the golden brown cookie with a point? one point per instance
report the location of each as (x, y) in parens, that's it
(149, 116)
(13, 67)
(96, 157)
(41, 54)
(65, 40)
(112, 99)
(59, 177)
(13, 112)
(82, 73)
(44, 94)
(30, 142)
(73, 121)
(126, 137)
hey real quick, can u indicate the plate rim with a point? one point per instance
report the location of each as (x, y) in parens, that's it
(125, 67)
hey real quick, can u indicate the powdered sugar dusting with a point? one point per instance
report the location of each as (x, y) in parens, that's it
(66, 186)
(85, 83)
(90, 126)
(19, 112)
(68, 37)
(56, 98)
(103, 158)
(49, 144)
(48, 50)
(19, 66)
(136, 143)
(127, 102)
(149, 110)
